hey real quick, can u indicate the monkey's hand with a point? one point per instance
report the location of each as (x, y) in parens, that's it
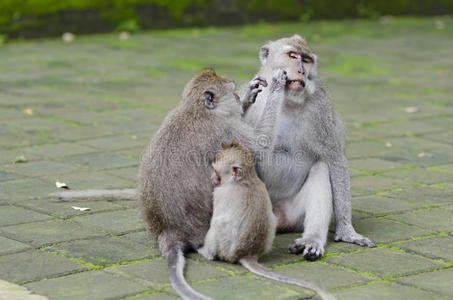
(279, 80)
(252, 91)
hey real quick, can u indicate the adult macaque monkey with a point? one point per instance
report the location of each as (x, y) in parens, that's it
(243, 225)
(307, 169)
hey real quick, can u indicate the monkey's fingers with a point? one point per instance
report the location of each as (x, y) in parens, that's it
(256, 82)
(254, 94)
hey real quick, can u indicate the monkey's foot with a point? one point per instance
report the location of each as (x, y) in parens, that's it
(205, 253)
(310, 249)
(355, 238)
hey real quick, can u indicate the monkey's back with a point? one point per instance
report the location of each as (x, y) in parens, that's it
(245, 227)
(174, 187)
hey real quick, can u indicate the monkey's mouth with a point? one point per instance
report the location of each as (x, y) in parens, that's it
(295, 85)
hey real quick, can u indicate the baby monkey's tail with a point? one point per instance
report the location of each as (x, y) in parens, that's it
(253, 266)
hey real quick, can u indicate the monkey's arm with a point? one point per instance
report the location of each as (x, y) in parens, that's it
(339, 178)
(252, 90)
(265, 127)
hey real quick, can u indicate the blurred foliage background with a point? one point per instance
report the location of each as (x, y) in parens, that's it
(41, 18)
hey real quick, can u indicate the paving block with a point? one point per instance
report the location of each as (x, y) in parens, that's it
(49, 232)
(4, 176)
(423, 158)
(59, 150)
(101, 160)
(436, 247)
(383, 231)
(158, 296)
(324, 275)
(129, 173)
(365, 185)
(8, 246)
(143, 238)
(421, 175)
(18, 190)
(86, 285)
(365, 149)
(89, 179)
(9, 156)
(438, 281)
(34, 265)
(11, 215)
(416, 143)
(120, 142)
(104, 251)
(12, 139)
(248, 287)
(423, 195)
(384, 262)
(384, 290)
(408, 128)
(154, 273)
(115, 222)
(379, 205)
(373, 165)
(433, 219)
(37, 168)
(36, 123)
(65, 210)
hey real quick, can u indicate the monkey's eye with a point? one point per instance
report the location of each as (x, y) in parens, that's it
(307, 60)
(293, 55)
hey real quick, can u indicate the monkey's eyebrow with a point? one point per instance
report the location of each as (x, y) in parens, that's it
(288, 48)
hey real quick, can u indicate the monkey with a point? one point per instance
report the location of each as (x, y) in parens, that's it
(306, 172)
(243, 225)
(174, 188)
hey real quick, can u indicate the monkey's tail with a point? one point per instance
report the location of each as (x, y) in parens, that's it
(176, 262)
(252, 265)
(96, 195)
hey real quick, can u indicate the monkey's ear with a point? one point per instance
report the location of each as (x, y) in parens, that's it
(264, 53)
(237, 172)
(208, 100)
(225, 146)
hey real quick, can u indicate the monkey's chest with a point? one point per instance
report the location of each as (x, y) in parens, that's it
(285, 169)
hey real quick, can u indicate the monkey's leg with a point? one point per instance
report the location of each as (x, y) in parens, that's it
(208, 250)
(313, 206)
(344, 231)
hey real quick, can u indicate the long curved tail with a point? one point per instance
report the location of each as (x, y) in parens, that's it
(96, 195)
(253, 266)
(176, 261)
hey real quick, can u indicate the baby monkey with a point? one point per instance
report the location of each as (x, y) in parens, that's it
(243, 225)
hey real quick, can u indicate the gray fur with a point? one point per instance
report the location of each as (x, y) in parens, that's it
(174, 188)
(309, 133)
(243, 225)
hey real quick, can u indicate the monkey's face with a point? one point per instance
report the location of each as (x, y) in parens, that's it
(293, 56)
(221, 99)
(226, 172)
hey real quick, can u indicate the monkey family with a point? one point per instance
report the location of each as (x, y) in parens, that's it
(286, 120)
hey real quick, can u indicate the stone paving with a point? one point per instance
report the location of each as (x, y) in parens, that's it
(82, 112)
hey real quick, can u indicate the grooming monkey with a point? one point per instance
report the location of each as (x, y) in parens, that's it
(243, 225)
(307, 169)
(174, 187)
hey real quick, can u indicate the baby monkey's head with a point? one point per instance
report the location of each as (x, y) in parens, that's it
(233, 164)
